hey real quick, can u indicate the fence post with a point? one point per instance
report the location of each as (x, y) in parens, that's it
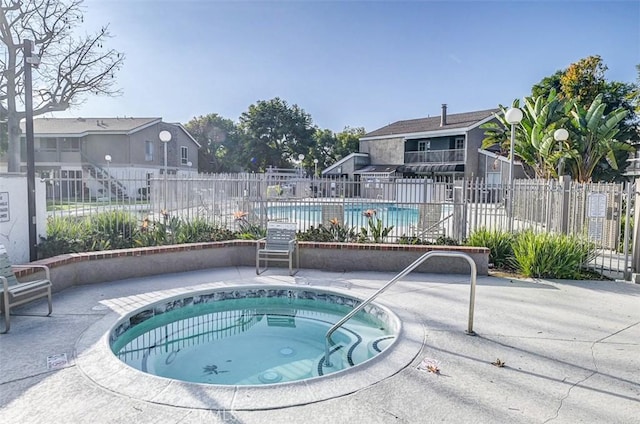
(459, 219)
(565, 184)
(635, 253)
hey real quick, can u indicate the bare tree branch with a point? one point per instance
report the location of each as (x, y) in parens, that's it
(71, 67)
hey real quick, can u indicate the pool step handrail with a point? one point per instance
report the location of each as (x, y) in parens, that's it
(407, 270)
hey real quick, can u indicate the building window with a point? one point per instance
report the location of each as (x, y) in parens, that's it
(70, 144)
(48, 144)
(459, 149)
(184, 155)
(424, 145)
(148, 151)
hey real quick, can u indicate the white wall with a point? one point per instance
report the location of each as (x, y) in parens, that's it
(14, 219)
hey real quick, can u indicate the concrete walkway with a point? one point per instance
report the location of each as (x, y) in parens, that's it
(571, 354)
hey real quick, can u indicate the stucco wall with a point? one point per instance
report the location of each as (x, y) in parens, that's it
(14, 232)
(389, 151)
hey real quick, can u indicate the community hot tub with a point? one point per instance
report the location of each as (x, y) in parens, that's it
(251, 335)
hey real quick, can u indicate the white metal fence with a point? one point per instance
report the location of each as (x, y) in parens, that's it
(415, 208)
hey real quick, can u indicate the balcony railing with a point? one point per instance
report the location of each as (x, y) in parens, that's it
(435, 156)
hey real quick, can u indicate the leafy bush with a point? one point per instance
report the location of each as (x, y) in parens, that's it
(320, 234)
(335, 232)
(498, 242)
(64, 235)
(199, 231)
(446, 241)
(411, 240)
(374, 231)
(111, 230)
(120, 230)
(248, 231)
(547, 255)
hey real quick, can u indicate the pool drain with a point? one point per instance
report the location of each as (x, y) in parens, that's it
(270, 377)
(287, 351)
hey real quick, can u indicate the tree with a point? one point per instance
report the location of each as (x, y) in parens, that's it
(593, 137)
(329, 147)
(70, 68)
(544, 87)
(348, 141)
(219, 139)
(324, 143)
(274, 134)
(583, 80)
(534, 141)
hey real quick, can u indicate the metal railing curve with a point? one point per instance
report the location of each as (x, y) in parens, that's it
(407, 270)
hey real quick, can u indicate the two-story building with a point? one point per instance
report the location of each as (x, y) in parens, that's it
(107, 157)
(442, 148)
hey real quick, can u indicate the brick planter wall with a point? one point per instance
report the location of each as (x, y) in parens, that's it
(95, 267)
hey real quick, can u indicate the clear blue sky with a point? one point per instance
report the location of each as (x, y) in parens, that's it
(351, 63)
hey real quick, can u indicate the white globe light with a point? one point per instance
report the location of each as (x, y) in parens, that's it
(561, 134)
(165, 136)
(513, 115)
(107, 158)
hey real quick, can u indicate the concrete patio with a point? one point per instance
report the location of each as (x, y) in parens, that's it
(571, 353)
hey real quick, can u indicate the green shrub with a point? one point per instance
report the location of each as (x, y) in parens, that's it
(498, 242)
(112, 229)
(411, 240)
(547, 255)
(64, 235)
(199, 231)
(374, 231)
(320, 234)
(446, 241)
(335, 232)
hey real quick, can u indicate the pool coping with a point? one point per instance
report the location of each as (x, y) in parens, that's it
(96, 361)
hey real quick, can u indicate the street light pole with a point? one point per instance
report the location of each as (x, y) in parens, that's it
(513, 116)
(108, 159)
(29, 61)
(300, 158)
(315, 169)
(165, 137)
(561, 135)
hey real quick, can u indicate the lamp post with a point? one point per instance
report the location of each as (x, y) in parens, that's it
(561, 135)
(165, 137)
(315, 168)
(300, 158)
(108, 159)
(30, 60)
(513, 117)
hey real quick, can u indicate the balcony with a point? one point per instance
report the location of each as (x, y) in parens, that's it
(435, 156)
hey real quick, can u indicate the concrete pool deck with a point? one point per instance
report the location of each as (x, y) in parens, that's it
(571, 353)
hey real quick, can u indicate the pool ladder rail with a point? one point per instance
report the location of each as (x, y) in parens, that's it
(404, 272)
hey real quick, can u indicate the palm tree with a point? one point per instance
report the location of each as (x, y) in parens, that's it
(593, 137)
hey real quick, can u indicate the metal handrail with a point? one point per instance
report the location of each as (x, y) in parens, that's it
(404, 272)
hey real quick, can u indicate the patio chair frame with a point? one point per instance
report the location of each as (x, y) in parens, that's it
(15, 293)
(280, 245)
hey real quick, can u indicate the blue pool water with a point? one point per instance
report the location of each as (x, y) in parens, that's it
(352, 213)
(252, 336)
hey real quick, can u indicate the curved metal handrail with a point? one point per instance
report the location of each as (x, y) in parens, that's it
(404, 272)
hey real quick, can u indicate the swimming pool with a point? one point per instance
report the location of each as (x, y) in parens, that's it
(351, 214)
(251, 335)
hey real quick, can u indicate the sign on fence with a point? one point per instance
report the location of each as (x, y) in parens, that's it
(4, 207)
(597, 205)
